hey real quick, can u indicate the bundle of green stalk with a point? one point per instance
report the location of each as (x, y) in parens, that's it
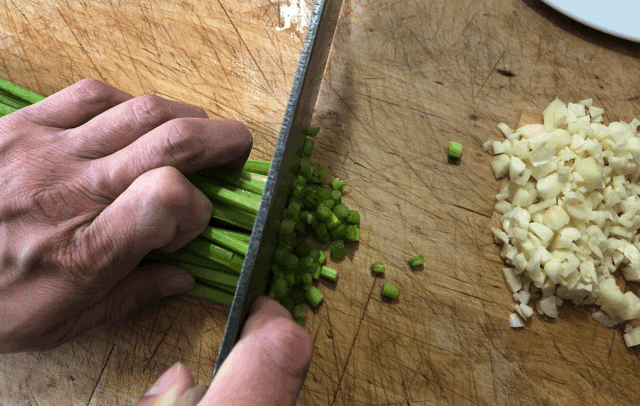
(216, 256)
(14, 97)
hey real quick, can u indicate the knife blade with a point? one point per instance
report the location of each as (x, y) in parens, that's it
(254, 277)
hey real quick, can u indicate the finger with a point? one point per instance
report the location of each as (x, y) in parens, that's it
(121, 125)
(269, 363)
(188, 144)
(141, 288)
(74, 105)
(172, 385)
(192, 396)
(161, 209)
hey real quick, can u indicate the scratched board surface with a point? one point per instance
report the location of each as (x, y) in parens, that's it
(405, 78)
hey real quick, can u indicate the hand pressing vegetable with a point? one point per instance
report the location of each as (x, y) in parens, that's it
(102, 185)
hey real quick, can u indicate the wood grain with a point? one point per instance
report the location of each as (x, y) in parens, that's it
(405, 78)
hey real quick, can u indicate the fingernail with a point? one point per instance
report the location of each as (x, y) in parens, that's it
(165, 382)
(178, 282)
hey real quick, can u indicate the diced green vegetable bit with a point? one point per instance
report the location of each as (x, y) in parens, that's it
(333, 222)
(353, 217)
(337, 184)
(341, 211)
(300, 311)
(288, 304)
(340, 232)
(390, 291)
(310, 131)
(316, 272)
(323, 213)
(287, 227)
(329, 273)
(338, 249)
(353, 233)
(307, 281)
(314, 297)
(455, 150)
(329, 203)
(290, 277)
(322, 258)
(416, 261)
(300, 322)
(307, 149)
(378, 267)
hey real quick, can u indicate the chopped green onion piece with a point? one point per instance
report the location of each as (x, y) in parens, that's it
(276, 270)
(340, 232)
(306, 170)
(416, 261)
(291, 263)
(290, 277)
(337, 184)
(261, 167)
(315, 254)
(323, 213)
(352, 233)
(337, 249)
(390, 291)
(282, 287)
(336, 195)
(353, 217)
(307, 281)
(299, 322)
(455, 150)
(298, 192)
(307, 149)
(288, 304)
(324, 238)
(378, 267)
(207, 292)
(280, 255)
(307, 264)
(324, 193)
(322, 258)
(300, 181)
(341, 211)
(329, 273)
(300, 311)
(301, 227)
(310, 131)
(317, 271)
(329, 203)
(333, 222)
(314, 297)
(287, 227)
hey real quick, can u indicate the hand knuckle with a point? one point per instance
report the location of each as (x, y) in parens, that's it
(92, 91)
(182, 143)
(168, 188)
(149, 109)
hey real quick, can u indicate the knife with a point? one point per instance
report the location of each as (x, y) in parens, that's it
(256, 270)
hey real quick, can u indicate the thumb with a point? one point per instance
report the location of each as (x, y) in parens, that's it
(268, 366)
(176, 381)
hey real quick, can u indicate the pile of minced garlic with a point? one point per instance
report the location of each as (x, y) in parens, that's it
(570, 214)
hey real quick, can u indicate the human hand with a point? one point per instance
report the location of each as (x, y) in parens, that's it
(91, 180)
(267, 366)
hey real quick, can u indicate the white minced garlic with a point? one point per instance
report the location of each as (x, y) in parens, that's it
(570, 213)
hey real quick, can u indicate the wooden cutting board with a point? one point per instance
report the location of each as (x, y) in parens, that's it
(405, 78)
